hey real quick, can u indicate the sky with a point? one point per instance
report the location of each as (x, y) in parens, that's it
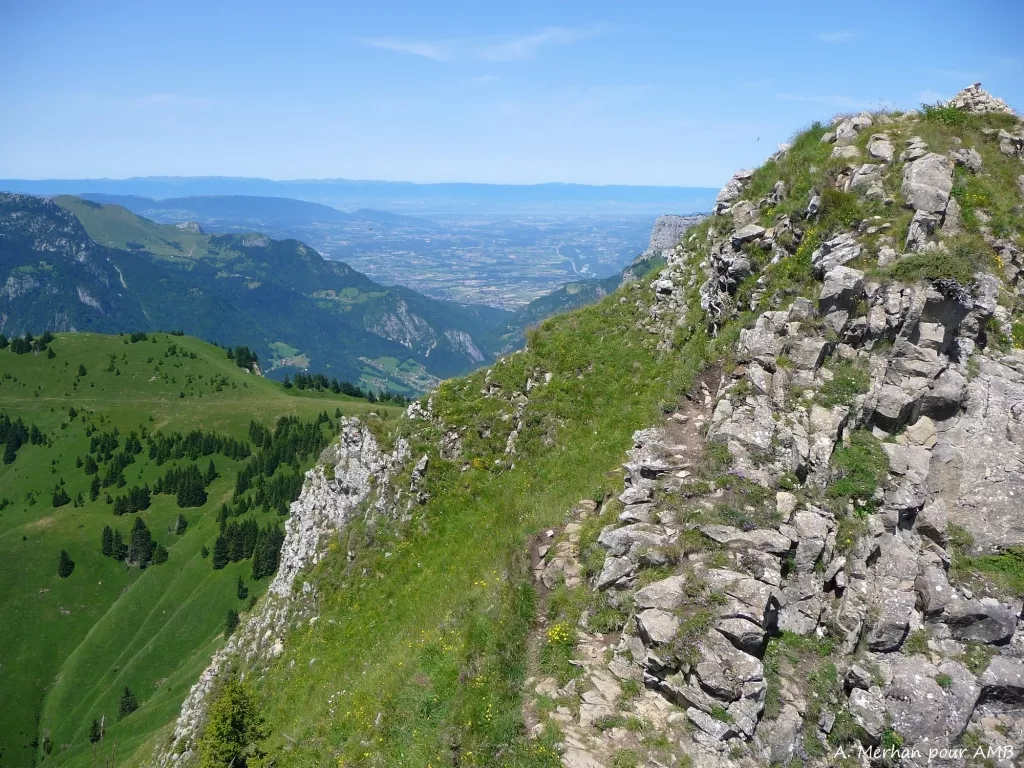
(663, 93)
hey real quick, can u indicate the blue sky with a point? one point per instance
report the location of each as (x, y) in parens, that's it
(668, 93)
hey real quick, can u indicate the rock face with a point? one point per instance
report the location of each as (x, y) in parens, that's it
(927, 183)
(324, 506)
(743, 582)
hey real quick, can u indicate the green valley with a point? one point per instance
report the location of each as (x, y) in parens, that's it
(78, 265)
(103, 418)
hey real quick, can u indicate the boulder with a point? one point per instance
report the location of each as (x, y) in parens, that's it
(868, 711)
(835, 252)
(762, 539)
(967, 158)
(880, 148)
(983, 620)
(842, 288)
(927, 183)
(892, 621)
(656, 626)
(614, 570)
(619, 541)
(945, 395)
(921, 710)
(920, 231)
(808, 353)
(1020, 184)
(747, 233)
(933, 590)
(667, 594)
(1003, 680)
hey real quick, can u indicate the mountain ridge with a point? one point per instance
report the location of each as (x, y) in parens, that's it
(808, 554)
(222, 287)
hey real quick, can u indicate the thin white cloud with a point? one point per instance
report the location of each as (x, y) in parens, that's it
(840, 36)
(525, 47)
(491, 49)
(438, 51)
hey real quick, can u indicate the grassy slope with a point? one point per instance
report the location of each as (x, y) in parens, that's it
(118, 227)
(78, 641)
(434, 646)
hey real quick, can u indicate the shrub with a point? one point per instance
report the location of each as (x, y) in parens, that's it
(861, 467)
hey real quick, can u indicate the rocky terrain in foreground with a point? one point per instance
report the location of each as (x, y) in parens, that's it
(817, 557)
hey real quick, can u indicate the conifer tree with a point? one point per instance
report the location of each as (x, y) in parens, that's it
(108, 541)
(231, 621)
(66, 564)
(128, 703)
(95, 732)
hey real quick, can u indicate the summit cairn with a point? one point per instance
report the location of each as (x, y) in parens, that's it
(975, 99)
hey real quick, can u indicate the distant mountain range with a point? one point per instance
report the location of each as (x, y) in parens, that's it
(398, 196)
(74, 264)
(225, 213)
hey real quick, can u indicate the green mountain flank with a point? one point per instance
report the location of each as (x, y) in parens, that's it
(74, 264)
(101, 435)
(811, 547)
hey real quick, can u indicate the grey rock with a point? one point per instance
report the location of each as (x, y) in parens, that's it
(921, 710)
(975, 99)
(656, 626)
(983, 620)
(747, 233)
(667, 594)
(880, 148)
(716, 729)
(920, 231)
(808, 353)
(1003, 680)
(945, 396)
(745, 635)
(619, 541)
(762, 539)
(932, 522)
(967, 158)
(784, 735)
(1020, 184)
(927, 183)
(841, 289)
(868, 711)
(846, 152)
(615, 569)
(933, 590)
(835, 252)
(890, 626)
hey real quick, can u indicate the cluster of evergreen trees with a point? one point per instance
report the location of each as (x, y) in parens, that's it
(21, 345)
(318, 382)
(188, 483)
(137, 500)
(140, 550)
(194, 445)
(245, 539)
(60, 497)
(243, 357)
(14, 434)
(289, 442)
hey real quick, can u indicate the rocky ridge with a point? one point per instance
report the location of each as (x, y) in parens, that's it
(779, 610)
(350, 471)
